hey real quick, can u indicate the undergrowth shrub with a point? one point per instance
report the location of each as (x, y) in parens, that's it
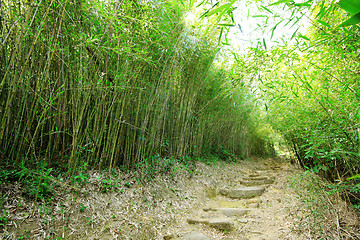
(157, 165)
(3, 219)
(3, 213)
(36, 182)
(328, 216)
(81, 176)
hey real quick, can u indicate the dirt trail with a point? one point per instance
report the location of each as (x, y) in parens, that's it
(252, 205)
(249, 200)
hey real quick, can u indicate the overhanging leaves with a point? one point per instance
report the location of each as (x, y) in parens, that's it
(351, 6)
(351, 21)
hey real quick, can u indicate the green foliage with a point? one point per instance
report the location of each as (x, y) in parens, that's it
(36, 183)
(354, 177)
(158, 166)
(112, 83)
(352, 7)
(217, 153)
(81, 177)
(310, 93)
(108, 185)
(3, 218)
(82, 207)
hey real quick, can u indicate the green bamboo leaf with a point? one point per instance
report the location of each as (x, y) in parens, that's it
(280, 2)
(205, 13)
(354, 177)
(240, 27)
(221, 9)
(351, 21)
(259, 16)
(323, 23)
(220, 35)
(236, 57)
(294, 34)
(305, 82)
(294, 93)
(264, 43)
(351, 6)
(321, 11)
(273, 28)
(265, 8)
(226, 25)
(304, 37)
(201, 3)
(295, 22)
(269, 85)
(272, 31)
(305, 4)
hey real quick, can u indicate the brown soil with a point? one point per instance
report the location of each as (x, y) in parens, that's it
(159, 209)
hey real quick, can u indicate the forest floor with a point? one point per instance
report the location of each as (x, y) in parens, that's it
(184, 203)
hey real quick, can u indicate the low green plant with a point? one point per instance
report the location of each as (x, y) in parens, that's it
(26, 235)
(2, 200)
(108, 185)
(81, 178)
(89, 220)
(3, 218)
(39, 184)
(157, 165)
(82, 207)
(9, 175)
(352, 189)
(127, 184)
(36, 181)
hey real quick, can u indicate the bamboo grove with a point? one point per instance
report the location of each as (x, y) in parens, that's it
(110, 83)
(310, 91)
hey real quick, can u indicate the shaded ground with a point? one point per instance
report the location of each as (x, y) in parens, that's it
(126, 206)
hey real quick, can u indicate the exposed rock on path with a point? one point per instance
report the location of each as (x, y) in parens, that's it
(224, 218)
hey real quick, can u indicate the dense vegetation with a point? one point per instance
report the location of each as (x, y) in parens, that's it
(132, 83)
(310, 90)
(115, 83)
(108, 84)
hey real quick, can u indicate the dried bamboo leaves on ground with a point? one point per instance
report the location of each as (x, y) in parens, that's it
(126, 206)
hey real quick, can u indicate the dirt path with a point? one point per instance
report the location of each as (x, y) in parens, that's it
(251, 204)
(250, 199)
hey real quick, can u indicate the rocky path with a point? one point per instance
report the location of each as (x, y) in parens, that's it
(231, 208)
(254, 205)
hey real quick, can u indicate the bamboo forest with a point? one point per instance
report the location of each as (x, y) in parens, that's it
(179, 119)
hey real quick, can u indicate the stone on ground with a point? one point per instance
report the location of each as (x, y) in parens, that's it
(220, 224)
(223, 214)
(224, 192)
(255, 181)
(253, 200)
(197, 221)
(229, 212)
(246, 192)
(233, 212)
(196, 236)
(211, 192)
(223, 225)
(253, 205)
